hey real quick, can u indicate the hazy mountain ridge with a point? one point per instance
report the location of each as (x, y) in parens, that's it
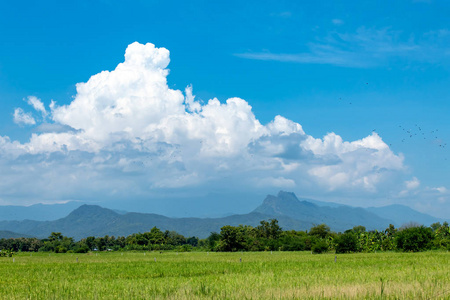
(292, 213)
(401, 214)
(339, 218)
(12, 235)
(93, 220)
(37, 212)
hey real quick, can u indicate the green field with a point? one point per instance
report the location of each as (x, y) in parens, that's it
(260, 275)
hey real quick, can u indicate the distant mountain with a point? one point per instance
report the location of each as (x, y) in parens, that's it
(401, 215)
(292, 213)
(37, 212)
(93, 220)
(12, 235)
(323, 203)
(339, 218)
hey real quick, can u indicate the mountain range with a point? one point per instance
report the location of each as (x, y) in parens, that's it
(37, 212)
(292, 213)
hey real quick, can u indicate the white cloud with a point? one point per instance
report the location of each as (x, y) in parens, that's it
(127, 134)
(410, 187)
(278, 182)
(365, 48)
(20, 117)
(441, 189)
(412, 184)
(432, 200)
(337, 21)
(37, 105)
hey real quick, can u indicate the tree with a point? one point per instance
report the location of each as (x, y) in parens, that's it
(90, 242)
(292, 240)
(320, 231)
(442, 236)
(55, 236)
(193, 241)
(346, 243)
(213, 240)
(155, 236)
(414, 239)
(269, 230)
(319, 246)
(358, 229)
(436, 226)
(174, 238)
(231, 238)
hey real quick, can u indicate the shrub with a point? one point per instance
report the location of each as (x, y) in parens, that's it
(346, 243)
(414, 239)
(6, 253)
(83, 249)
(60, 249)
(320, 246)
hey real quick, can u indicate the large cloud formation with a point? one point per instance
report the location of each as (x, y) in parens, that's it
(126, 133)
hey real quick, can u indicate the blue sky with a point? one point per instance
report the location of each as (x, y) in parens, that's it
(367, 81)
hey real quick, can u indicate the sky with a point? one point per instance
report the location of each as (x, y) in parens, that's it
(201, 108)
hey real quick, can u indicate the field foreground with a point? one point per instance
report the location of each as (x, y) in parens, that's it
(248, 275)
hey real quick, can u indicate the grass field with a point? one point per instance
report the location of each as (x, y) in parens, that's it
(262, 275)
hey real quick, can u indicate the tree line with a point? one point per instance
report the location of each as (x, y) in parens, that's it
(268, 236)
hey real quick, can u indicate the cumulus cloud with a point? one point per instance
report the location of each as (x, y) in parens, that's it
(126, 132)
(410, 187)
(412, 184)
(20, 117)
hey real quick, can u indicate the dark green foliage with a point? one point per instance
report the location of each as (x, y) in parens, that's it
(294, 240)
(82, 249)
(414, 239)
(212, 242)
(268, 236)
(346, 243)
(442, 236)
(193, 241)
(21, 244)
(319, 246)
(6, 253)
(231, 238)
(174, 238)
(269, 230)
(320, 231)
(357, 229)
(57, 243)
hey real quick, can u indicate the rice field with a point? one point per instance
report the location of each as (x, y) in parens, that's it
(248, 275)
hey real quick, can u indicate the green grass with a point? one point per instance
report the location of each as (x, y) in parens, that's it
(262, 275)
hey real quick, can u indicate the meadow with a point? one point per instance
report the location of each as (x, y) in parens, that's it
(238, 275)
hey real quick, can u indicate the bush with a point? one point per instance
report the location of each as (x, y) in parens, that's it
(293, 243)
(346, 243)
(186, 248)
(83, 249)
(415, 239)
(6, 253)
(60, 249)
(320, 246)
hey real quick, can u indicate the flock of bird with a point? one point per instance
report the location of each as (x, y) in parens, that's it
(417, 132)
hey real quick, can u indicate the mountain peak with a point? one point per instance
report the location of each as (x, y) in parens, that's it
(287, 196)
(278, 205)
(87, 210)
